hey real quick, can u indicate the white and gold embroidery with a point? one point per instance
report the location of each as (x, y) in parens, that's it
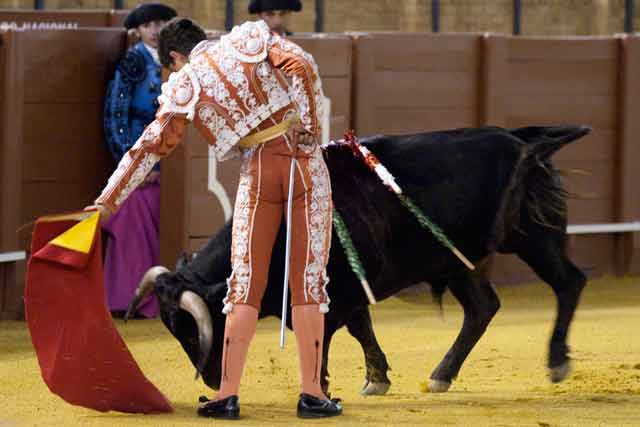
(224, 148)
(213, 84)
(242, 111)
(139, 167)
(298, 90)
(239, 281)
(248, 42)
(138, 176)
(319, 225)
(181, 93)
(276, 94)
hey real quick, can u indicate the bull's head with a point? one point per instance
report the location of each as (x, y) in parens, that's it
(193, 315)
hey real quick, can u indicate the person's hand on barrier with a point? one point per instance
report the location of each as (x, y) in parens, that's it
(105, 213)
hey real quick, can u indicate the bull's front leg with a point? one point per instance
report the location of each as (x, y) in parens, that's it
(360, 327)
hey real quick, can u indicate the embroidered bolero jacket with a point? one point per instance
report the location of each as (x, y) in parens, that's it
(247, 81)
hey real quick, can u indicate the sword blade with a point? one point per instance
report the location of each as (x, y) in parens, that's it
(287, 254)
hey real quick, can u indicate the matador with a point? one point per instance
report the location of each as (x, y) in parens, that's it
(256, 95)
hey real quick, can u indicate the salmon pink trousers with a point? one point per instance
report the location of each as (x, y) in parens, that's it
(260, 207)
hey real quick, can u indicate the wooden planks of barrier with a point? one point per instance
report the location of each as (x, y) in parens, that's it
(53, 153)
(11, 273)
(628, 155)
(406, 83)
(11, 290)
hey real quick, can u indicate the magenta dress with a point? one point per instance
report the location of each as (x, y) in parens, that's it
(133, 247)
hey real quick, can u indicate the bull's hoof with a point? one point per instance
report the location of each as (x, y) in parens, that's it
(437, 386)
(559, 373)
(374, 389)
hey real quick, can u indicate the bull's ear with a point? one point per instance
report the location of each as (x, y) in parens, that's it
(183, 260)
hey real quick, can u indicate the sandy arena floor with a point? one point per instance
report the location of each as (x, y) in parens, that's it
(503, 382)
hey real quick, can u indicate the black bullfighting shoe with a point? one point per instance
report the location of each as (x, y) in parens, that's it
(228, 409)
(311, 407)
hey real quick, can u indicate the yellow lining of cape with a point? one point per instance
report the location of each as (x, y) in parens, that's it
(79, 238)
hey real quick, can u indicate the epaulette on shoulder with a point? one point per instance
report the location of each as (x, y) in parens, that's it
(132, 66)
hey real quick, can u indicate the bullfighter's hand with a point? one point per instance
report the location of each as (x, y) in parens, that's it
(105, 213)
(298, 135)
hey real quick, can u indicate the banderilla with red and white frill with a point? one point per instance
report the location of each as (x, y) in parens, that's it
(389, 181)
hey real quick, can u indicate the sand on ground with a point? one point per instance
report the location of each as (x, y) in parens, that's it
(503, 382)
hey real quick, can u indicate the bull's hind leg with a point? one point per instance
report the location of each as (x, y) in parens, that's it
(480, 303)
(361, 328)
(547, 257)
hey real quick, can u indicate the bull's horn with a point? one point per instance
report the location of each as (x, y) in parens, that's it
(194, 304)
(146, 286)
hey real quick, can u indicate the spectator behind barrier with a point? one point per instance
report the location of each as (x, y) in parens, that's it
(275, 13)
(133, 245)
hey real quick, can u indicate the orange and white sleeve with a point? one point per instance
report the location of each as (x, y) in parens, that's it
(300, 66)
(177, 108)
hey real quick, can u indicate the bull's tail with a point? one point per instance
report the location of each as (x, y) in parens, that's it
(544, 141)
(535, 192)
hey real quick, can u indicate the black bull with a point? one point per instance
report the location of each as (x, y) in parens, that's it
(490, 189)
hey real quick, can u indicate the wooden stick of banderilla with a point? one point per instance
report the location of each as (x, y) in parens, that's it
(287, 253)
(352, 254)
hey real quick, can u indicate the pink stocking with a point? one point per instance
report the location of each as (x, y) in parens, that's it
(239, 329)
(308, 325)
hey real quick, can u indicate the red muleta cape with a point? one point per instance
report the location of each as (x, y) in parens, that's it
(82, 357)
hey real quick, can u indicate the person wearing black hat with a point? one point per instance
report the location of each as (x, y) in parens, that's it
(130, 105)
(275, 13)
